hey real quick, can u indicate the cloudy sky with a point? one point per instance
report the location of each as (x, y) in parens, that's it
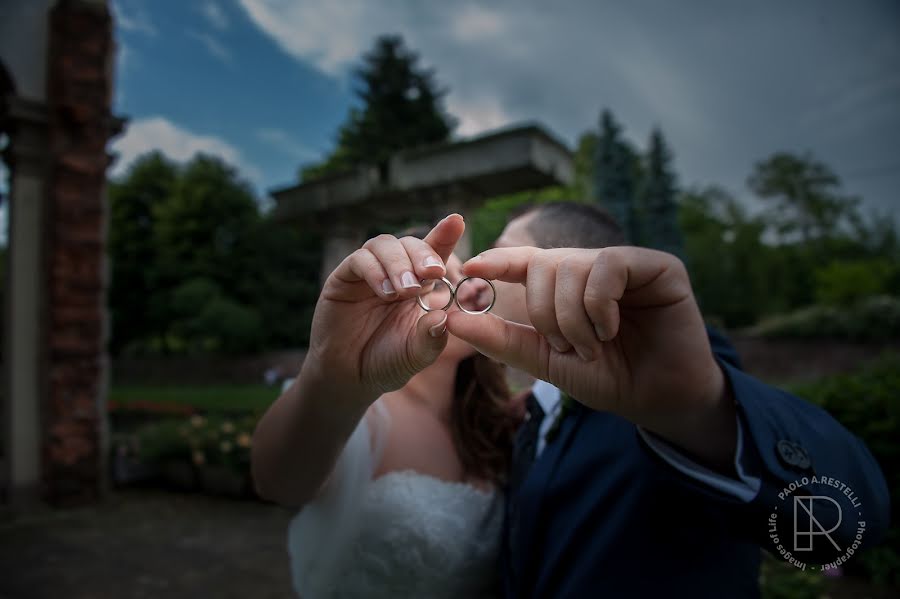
(266, 83)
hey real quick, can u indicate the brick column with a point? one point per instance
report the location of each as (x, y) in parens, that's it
(80, 123)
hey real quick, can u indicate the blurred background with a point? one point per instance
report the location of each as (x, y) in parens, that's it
(178, 178)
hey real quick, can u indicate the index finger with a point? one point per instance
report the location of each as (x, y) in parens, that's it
(502, 264)
(445, 235)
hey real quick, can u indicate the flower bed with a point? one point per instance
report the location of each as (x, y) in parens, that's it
(199, 452)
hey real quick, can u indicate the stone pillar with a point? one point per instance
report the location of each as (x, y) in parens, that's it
(338, 243)
(79, 92)
(26, 157)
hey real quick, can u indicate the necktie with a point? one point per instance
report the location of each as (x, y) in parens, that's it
(525, 444)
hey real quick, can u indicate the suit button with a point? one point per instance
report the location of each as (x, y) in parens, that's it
(792, 454)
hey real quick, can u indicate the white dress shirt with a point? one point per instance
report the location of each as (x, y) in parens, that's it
(744, 487)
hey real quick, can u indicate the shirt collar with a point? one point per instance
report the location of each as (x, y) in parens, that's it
(547, 396)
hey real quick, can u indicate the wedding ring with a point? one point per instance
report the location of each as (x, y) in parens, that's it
(455, 298)
(449, 301)
(490, 304)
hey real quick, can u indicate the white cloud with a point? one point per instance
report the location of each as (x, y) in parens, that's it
(136, 20)
(726, 86)
(213, 46)
(284, 142)
(158, 133)
(214, 15)
(479, 115)
(328, 35)
(475, 22)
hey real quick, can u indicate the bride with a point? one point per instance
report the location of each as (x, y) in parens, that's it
(395, 438)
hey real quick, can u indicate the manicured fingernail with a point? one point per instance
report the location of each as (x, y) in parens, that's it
(387, 287)
(558, 343)
(432, 261)
(408, 280)
(600, 334)
(440, 328)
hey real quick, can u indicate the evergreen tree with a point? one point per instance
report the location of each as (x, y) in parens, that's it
(656, 210)
(401, 108)
(614, 175)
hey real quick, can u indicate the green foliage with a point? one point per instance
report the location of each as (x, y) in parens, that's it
(727, 260)
(616, 175)
(806, 194)
(868, 404)
(843, 282)
(780, 580)
(740, 276)
(248, 398)
(488, 221)
(873, 319)
(209, 321)
(197, 269)
(201, 223)
(401, 108)
(135, 201)
(201, 440)
(655, 210)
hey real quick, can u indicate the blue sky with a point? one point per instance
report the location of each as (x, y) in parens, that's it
(201, 76)
(265, 83)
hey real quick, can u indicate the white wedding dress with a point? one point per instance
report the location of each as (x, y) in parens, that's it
(403, 534)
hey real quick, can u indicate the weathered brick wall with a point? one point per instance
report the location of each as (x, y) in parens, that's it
(79, 80)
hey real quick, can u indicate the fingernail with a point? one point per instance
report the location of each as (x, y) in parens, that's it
(387, 287)
(600, 334)
(440, 328)
(432, 261)
(558, 343)
(408, 280)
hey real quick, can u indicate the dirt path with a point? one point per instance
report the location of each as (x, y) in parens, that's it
(147, 544)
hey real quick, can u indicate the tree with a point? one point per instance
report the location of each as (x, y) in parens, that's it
(806, 194)
(401, 108)
(657, 212)
(200, 224)
(730, 267)
(615, 173)
(134, 201)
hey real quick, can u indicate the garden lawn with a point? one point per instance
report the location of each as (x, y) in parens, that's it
(206, 398)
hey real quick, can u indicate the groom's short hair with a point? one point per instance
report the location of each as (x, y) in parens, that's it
(572, 224)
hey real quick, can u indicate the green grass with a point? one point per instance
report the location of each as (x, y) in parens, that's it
(225, 397)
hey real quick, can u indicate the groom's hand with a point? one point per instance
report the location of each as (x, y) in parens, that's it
(617, 328)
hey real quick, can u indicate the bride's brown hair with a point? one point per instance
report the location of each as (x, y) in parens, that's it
(484, 420)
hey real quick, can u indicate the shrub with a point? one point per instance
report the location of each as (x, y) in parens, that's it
(868, 404)
(780, 580)
(845, 282)
(872, 319)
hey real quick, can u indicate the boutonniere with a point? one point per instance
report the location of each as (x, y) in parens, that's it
(567, 403)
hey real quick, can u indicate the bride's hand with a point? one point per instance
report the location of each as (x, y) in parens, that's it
(368, 331)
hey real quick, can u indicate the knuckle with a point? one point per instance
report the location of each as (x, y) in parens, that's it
(379, 239)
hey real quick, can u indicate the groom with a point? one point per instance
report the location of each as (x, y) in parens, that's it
(671, 467)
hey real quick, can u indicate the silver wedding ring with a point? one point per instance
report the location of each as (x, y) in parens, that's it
(454, 298)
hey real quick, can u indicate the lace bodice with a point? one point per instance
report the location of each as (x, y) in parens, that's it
(404, 534)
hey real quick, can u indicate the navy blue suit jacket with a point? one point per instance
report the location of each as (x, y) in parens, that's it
(600, 514)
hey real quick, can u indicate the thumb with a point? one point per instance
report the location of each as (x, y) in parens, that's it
(517, 345)
(428, 340)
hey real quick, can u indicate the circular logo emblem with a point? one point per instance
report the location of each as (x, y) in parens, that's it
(818, 518)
